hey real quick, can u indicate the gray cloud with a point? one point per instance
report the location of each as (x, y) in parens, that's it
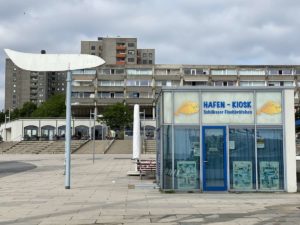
(183, 32)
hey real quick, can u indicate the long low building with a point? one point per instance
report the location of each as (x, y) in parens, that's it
(54, 129)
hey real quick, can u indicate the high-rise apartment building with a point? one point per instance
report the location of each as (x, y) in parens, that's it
(118, 51)
(30, 86)
(130, 76)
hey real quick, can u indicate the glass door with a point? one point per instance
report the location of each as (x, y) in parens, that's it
(214, 159)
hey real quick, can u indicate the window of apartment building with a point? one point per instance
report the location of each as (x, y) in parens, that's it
(121, 44)
(105, 71)
(280, 72)
(252, 83)
(145, 54)
(274, 83)
(131, 44)
(144, 61)
(120, 71)
(130, 59)
(196, 83)
(104, 95)
(93, 53)
(119, 95)
(93, 47)
(255, 72)
(112, 83)
(138, 83)
(139, 71)
(224, 83)
(131, 52)
(163, 83)
(223, 72)
(188, 71)
(150, 55)
(133, 95)
(150, 62)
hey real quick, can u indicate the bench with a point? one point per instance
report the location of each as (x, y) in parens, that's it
(146, 166)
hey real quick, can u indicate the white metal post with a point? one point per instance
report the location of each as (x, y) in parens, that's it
(94, 132)
(68, 130)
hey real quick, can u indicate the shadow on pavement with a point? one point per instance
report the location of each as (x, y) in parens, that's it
(12, 167)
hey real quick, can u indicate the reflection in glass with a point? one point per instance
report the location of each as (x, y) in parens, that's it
(270, 159)
(214, 159)
(167, 157)
(242, 158)
(187, 158)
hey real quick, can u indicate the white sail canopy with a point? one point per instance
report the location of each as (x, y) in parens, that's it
(53, 62)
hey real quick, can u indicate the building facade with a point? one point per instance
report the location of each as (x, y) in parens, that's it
(118, 51)
(23, 86)
(233, 139)
(130, 76)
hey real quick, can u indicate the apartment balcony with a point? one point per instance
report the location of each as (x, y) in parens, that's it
(111, 77)
(195, 78)
(121, 47)
(281, 77)
(253, 77)
(87, 77)
(121, 55)
(33, 97)
(82, 101)
(83, 88)
(32, 85)
(167, 77)
(120, 62)
(108, 101)
(110, 88)
(224, 77)
(139, 88)
(140, 101)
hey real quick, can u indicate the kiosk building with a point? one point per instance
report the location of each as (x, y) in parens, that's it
(226, 139)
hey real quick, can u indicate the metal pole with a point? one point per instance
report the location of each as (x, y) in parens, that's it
(90, 124)
(68, 130)
(94, 133)
(144, 124)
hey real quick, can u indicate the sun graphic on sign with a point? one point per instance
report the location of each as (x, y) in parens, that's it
(187, 108)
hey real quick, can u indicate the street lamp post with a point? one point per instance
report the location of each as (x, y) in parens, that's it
(55, 63)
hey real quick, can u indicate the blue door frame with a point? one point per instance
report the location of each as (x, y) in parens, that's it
(219, 188)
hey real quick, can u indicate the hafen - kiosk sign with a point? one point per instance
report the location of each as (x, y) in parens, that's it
(226, 108)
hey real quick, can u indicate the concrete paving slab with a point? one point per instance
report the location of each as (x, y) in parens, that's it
(100, 194)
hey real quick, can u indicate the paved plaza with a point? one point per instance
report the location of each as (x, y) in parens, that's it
(32, 192)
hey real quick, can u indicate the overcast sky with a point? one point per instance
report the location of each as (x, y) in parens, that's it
(181, 31)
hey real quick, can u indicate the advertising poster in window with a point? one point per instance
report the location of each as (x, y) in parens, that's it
(228, 107)
(196, 148)
(268, 107)
(269, 175)
(186, 175)
(242, 174)
(186, 108)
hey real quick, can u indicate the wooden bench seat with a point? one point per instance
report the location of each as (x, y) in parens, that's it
(146, 166)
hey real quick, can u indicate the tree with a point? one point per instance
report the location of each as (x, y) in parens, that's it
(53, 107)
(27, 109)
(117, 116)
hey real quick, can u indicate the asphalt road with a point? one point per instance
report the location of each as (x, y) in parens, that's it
(12, 167)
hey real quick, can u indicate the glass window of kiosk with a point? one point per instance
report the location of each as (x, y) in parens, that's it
(167, 157)
(270, 159)
(186, 158)
(242, 159)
